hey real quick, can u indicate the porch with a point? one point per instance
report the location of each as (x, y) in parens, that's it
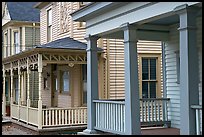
(39, 95)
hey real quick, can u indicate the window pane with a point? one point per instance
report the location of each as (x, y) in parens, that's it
(144, 69)
(16, 44)
(152, 69)
(144, 89)
(49, 16)
(152, 89)
(65, 81)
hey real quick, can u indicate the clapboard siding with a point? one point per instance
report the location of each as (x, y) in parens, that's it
(116, 64)
(32, 36)
(111, 70)
(173, 89)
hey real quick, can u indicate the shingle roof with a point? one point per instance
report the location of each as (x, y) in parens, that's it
(65, 43)
(23, 11)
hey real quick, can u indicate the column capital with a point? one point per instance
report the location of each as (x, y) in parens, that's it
(127, 26)
(184, 9)
(91, 38)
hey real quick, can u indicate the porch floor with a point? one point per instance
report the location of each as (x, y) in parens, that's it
(160, 131)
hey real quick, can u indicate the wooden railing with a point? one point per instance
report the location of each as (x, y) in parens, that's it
(198, 111)
(110, 114)
(64, 116)
(153, 111)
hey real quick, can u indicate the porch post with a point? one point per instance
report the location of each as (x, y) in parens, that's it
(132, 102)
(28, 89)
(189, 94)
(40, 91)
(92, 82)
(19, 89)
(11, 89)
(4, 92)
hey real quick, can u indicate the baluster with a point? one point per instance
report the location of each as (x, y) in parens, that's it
(56, 118)
(158, 110)
(49, 117)
(72, 111)
(145, 108)
(148, 106)
(105, 118)
(46, 117)
(78, 116)
(43, 117)
(59, 116)
(111, 116)
(116, 111)
(163, 109)
(152, 110)
(69, 116)
(53, 116)
(155, 109)
(65, 116)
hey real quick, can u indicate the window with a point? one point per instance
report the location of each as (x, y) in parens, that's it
(84, 81)
(16, 42)
(5, 45)
(65, 81)
(49, 25)
(16, 90)
(149, 77)
(178, 66)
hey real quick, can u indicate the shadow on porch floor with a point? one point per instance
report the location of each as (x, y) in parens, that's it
(160, 131)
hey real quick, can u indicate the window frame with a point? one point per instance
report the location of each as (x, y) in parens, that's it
(49, 24)
(158, 72)
(13, 48)
(62, 82)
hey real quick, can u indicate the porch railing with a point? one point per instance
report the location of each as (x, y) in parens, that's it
(198, 111)
(64, 116)
(110, 114)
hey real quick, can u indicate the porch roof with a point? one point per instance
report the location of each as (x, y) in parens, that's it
(65, 43)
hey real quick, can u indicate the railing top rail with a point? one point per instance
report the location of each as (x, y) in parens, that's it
(64, 108)
(196, 106)
(109, 101)
(148, 99)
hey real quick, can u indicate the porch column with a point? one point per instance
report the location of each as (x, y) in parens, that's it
(11, 71)
(92, 82)
(189, 94)
(4, 92)
(40, 91)
(19, 89)
(132, 102)
(28, 89)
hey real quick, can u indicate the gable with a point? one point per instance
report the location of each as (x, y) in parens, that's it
(5, 14)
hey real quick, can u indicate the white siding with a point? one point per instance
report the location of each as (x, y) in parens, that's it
(173, 89)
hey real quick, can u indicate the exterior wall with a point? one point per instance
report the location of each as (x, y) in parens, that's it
(32, 36)
(115, 59)
(63, 26)
(173, 89)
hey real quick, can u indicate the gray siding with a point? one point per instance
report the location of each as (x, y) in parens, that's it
(172, 87)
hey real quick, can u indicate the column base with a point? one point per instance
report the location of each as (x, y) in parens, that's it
(88, 132)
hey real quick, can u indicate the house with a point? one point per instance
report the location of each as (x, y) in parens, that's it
(20, 32)
(56, 70)
(178, 25)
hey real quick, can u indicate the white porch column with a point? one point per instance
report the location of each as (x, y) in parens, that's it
(4, 92)
(11, 70)
(92, 82)
(28, 89)
(40, 91)
(132, 103)
(19, 89)
(189, 77)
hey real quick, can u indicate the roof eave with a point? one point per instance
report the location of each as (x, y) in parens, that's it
(40, 5)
